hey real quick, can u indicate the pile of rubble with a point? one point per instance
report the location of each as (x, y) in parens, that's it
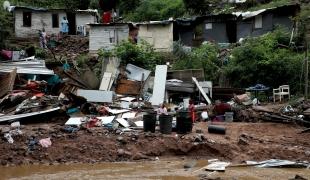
(68, 47)
(119, 101)
(126, 97)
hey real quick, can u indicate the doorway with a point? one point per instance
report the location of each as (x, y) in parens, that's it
(231, 29)
(72, 23)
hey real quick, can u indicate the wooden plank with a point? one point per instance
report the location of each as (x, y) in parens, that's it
(7, 82)
(201, 91)
(159, 84)
(105, 82)
(127, 87)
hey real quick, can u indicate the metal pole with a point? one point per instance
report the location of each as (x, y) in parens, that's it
(306, 65)
(306, 71)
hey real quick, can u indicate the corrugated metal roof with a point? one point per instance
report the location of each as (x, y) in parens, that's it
(14, 8)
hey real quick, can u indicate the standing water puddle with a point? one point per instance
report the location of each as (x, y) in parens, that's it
(144, 170)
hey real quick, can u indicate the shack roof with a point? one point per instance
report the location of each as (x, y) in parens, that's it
(36, 9)
(236, 15)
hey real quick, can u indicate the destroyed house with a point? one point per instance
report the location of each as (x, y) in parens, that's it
(28, 21)
(230, 28)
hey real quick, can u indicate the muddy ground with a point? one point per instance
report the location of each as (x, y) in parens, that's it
(243, 141)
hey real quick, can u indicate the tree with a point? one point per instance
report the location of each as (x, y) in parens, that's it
(156, 10)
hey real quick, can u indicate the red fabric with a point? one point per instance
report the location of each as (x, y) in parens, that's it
(92, 123)
(222, 108)
(192, 112)
(106, 17)
(7, 55)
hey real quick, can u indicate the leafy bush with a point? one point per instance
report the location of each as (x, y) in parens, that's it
(261, 60)
(204, 57)
(156, 10)
(142, 54)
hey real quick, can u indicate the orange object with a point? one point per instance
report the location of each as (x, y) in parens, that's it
(39, 95)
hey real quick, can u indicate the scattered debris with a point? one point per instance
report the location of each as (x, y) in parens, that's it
(217, 166)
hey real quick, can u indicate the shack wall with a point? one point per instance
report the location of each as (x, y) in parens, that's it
(41, 19)
(218, 32)
(106, 36)
(158, 35)
(38, 21)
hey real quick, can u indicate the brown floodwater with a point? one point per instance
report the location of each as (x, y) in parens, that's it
(162, 169)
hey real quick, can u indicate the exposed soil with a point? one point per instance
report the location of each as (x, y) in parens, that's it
(243, 141)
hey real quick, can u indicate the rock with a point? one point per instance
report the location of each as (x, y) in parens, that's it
(245, 135)
(242, 141)
(128, 153)
(121, 140)
(307, 153)
(190, 164)
(199, 138)
(5, 130)
(120, 152)
(195, 143)
(199, 131)
(298, 177)
(139, 156)
(4, 162)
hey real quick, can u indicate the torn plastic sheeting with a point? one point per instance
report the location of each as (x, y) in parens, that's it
(278, 163)
(217, 166)
(19, 116)
(136, 73)
(249, 14)
(128, 99)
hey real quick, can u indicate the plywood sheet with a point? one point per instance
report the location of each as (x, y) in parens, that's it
(159, 85)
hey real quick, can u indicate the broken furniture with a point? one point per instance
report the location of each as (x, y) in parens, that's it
(259, 88)
(282, 91)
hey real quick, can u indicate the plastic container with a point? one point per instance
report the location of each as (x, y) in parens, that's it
(184, 122)
(229, 116)
(165, 124)
(216, 129)
(220, 118)
(149, 122)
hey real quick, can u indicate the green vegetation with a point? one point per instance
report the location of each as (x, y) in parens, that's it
(156, 10)
(262, 60)
(142, 55)
(204, 57)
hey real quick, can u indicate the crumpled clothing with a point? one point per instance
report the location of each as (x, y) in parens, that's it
(45, 142)
(9, 138)
(70, 129)
(16, 132)
(31, 144)
(93, 123)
